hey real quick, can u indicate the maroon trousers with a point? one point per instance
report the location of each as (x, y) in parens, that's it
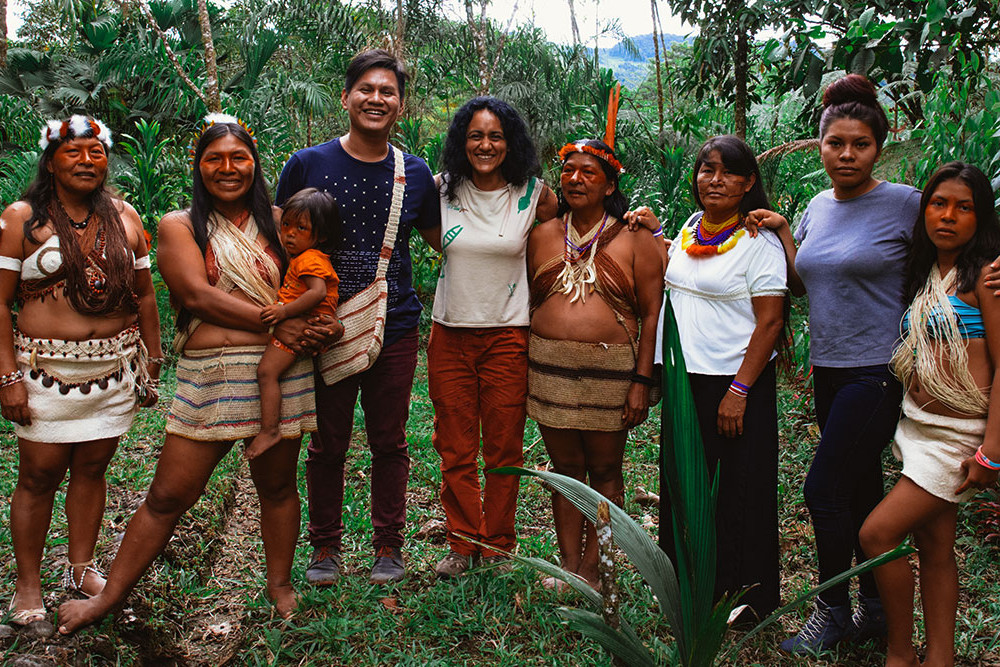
(478, 381)
(385, 400)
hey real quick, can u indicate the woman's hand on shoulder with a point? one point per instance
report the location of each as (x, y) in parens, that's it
(14, 404)
(642, 217)
(992, 279)
(762, 218)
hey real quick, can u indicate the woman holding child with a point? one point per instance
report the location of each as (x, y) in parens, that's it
(223, 262)
(74, 366)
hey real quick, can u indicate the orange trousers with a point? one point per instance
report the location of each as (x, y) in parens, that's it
(478, 381)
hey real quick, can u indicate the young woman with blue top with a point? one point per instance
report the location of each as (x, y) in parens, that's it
(853, 244)
(949, 437)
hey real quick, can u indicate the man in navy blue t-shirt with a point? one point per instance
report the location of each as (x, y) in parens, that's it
(357, 169)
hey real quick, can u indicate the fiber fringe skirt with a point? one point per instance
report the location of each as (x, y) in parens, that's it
(218, 398)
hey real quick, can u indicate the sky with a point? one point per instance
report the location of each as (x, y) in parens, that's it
(551, 15)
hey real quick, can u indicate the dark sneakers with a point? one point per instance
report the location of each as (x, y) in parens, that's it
(388, 565)
(324, 566)
(826, 627)
(868, 621)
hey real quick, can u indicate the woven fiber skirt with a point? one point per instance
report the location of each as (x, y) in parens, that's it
(932, 448)
(577, 385)
(218, 399)
(78, 391)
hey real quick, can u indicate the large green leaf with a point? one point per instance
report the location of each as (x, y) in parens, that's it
(646, 556)
(624, 646)
(692, 498)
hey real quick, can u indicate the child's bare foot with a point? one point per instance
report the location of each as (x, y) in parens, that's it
(77, 614)
(261, 443)
(284, 599)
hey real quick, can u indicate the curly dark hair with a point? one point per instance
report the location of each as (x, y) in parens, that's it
(521, 162)
(259, 200)
(739, 159)
(984, 246)
(118, 293)
(855, 97)
(615, 204)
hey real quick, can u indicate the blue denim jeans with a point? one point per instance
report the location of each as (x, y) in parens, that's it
(857, 410)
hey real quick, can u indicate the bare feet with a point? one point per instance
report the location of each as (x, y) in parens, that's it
(284, 599)
(77, 614)
(263, 442)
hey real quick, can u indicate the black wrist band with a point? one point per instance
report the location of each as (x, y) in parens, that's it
(643, 379)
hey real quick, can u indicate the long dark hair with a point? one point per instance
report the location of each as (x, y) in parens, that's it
(518, 166)
(855, 97)
(739, 159)
(259, 199)
(118, 292)
(984, 246)
(615, 204)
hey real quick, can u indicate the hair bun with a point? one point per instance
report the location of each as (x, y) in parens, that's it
(851, 88)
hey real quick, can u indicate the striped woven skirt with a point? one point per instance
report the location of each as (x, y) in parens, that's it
(577, 385)
(218, 399)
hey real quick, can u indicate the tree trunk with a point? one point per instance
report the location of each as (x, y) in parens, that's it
(211, 65)
(3, 33)
(741, 71)
(659, 85)
(400, 29)
(170, 53)
(573, 25)
(478, 30)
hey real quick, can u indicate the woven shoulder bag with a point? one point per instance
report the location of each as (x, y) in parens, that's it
(363, 315)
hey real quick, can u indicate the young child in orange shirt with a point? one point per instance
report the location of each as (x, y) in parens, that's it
(310, 225)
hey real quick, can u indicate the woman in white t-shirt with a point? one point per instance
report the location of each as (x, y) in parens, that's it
(728, 290)
(477, 358)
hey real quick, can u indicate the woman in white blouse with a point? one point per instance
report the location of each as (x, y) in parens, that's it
(727, 289)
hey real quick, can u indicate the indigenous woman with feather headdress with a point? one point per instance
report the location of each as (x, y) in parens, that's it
(595, 297)
(74, 364)
(223, 261)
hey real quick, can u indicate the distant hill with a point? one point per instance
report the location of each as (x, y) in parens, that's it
(630, 70)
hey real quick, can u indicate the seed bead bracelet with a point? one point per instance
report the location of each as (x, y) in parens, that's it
(981, 459)
(12, 378)
(739, 389)
(659, 231)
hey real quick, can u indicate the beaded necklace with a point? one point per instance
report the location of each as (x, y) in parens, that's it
(579, 278)
(705, 239)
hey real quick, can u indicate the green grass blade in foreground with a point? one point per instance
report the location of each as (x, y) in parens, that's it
(903, 549)
(622, 645)
(692, 498)
(643, 552)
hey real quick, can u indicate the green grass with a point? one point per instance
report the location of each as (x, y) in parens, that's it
(486, 618)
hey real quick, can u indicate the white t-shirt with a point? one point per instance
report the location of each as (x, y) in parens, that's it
(484, 275)
(711, 299)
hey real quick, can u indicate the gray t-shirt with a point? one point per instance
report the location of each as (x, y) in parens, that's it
(852, 259)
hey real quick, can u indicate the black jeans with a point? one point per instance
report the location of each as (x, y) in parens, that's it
(857, 410)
